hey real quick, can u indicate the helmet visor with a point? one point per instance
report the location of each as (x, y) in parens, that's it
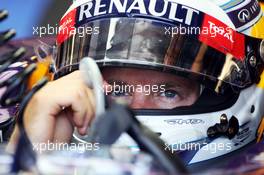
(151, 44)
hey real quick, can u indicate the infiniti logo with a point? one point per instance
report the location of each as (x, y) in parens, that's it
(247, 15)
(244, 15)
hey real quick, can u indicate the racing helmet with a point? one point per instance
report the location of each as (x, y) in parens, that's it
(198, 40)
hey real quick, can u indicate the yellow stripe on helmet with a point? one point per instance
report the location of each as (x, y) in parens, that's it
(261, 83)
(257, 30)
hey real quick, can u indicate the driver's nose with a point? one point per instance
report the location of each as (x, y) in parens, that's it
(140, 101)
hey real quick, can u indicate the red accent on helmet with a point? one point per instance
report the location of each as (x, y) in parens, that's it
(67, 26)
(221, 37)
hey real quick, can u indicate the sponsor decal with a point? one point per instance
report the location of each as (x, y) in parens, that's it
(224, 32)
(242, 135)
(160, 9)
(245, 17)
(184, 121)
(222, 37)
(67, 26)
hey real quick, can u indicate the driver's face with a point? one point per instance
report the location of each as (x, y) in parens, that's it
(152, 89)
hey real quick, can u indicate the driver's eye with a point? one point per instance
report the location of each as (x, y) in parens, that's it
(115, 93)
(169, 94)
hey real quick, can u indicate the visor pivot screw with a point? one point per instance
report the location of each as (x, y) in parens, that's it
(253, 61)
(238, 75)
(223, 119)
(226, 128)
